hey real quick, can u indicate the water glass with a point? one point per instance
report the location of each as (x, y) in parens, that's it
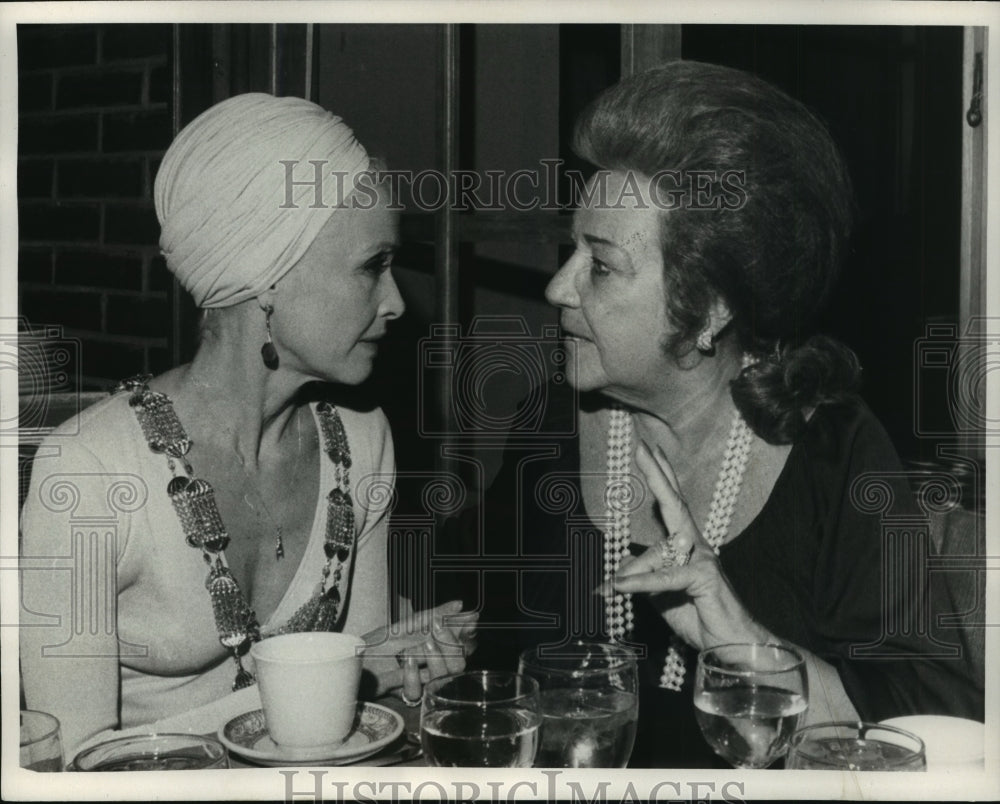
(855, 747)
(41, 744)
(749, 699)
(588, 695)
(159, 752)
(480, 720)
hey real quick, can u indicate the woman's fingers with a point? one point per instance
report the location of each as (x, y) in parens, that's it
(659, 481)
(420, 646)
(674, 551)
(465, 624)
(416, 629)
(446, 639)
(405, 679)
(420, 622)
(430, 643)
(666, 468)
(461, 625)
(435, 659)
(423, 620)
(649, 561)
(450, 648)
(455, 634)
(627, 561)
(673, 509)
(413, 684)
(683, 535)
(674, 579)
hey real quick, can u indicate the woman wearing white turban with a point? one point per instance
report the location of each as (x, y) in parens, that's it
(256, 502)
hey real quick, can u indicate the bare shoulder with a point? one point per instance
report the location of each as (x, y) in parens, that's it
(173, 383)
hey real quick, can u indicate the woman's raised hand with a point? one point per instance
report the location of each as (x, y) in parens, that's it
(691, 590)
(426, 644)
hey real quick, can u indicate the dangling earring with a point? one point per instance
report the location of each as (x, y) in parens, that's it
(704, 343)
(267, 352)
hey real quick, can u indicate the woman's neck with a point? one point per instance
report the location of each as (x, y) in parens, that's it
(237, 403)
(692, 407)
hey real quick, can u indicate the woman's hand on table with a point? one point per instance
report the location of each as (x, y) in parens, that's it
(693, 595)
(427, 644)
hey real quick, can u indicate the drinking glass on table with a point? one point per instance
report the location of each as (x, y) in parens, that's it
(749, 699)
(589, 703)
(41, 745)
(855, 746)
(159, 752)
(480, 720)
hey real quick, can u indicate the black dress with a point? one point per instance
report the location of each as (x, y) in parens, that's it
(835, 572)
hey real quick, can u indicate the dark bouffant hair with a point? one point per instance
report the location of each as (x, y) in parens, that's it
(773, 257)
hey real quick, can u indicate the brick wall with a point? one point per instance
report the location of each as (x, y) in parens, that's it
(95, 118)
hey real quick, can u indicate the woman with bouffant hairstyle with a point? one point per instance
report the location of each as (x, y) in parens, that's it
(715, 437)
(774, 259)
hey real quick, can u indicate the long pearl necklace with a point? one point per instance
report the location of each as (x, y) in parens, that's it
(618, 607)
(617, 494)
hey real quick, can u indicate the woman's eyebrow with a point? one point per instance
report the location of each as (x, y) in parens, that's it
(594, 240)
(380, 249)
(621, 257)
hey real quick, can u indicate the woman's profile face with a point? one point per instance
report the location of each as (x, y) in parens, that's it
(611, 292)
(333, 307)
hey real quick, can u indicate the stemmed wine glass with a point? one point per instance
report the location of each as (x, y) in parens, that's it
(589, 703)
(749, 699)
(480, 720)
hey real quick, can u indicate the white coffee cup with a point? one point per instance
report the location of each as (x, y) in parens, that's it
(309, 686)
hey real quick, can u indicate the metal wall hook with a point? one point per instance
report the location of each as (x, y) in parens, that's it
(975, 114)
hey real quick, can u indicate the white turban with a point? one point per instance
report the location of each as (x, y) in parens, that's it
(227, 230)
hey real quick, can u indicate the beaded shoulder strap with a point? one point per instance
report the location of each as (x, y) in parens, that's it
(193, 499)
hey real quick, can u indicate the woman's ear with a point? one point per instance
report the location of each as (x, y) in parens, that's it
(266, 298)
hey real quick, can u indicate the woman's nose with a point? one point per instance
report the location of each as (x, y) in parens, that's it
(561, 290)
(393, 305)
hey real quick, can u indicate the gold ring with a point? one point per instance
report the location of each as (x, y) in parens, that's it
(410, 702)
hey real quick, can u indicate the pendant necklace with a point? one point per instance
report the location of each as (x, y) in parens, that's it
(193, 499)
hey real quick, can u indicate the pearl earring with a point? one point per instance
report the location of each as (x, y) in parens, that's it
(704, 342)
